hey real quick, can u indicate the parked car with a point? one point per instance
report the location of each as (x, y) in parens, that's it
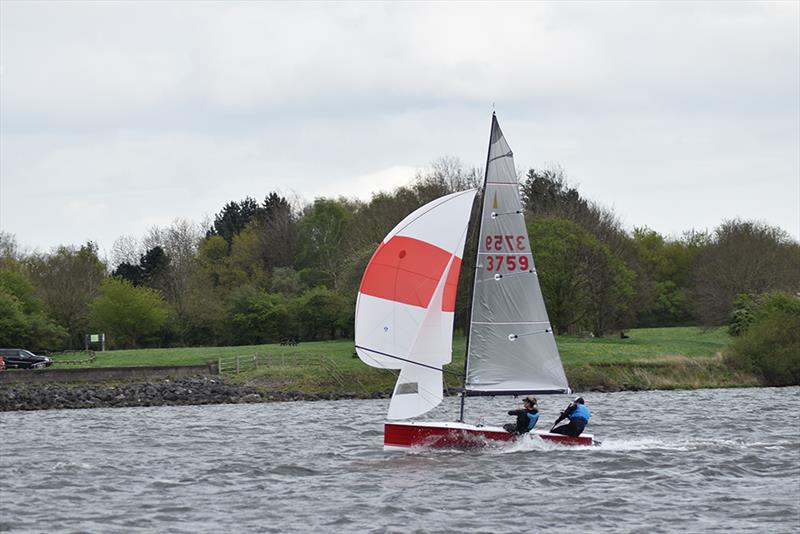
(24, 359)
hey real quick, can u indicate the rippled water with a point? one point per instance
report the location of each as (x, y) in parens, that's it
(685, 461)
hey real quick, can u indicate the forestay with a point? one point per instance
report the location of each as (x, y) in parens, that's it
(511, 348)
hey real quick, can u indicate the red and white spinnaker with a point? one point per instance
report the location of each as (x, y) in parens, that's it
(406, 302)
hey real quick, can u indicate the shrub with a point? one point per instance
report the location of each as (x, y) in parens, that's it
(23, 321)
(770, 345)
(322, 313)
(741, 315)
(131, 316)
(257, 317)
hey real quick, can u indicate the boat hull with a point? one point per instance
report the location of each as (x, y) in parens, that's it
(440, 435)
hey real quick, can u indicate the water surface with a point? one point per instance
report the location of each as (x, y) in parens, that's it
(670, 461)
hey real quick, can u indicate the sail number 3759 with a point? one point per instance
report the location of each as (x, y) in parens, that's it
(507, 261)
(505, 244)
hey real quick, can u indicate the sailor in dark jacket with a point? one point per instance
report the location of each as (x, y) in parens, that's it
(526, 418)
(578, 415)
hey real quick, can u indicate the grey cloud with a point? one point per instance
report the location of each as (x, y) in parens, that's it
(667, 112)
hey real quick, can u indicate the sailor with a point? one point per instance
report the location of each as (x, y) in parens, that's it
(526, 418)
(578, 415)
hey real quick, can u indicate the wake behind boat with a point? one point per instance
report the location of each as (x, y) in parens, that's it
(406, 302)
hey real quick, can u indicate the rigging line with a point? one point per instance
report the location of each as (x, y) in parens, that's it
(508, 154)
(455, 195)
(495, 215)
(515, 322)
(513, 337)
(407, 360)
(499, 276)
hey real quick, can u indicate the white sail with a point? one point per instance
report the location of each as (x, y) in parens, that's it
(406, 302)
(511, 349)
(419, 386)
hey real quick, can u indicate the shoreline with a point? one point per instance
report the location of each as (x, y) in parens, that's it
(191, 391)
(205, 389)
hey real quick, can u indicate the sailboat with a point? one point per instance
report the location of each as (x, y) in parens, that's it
(406, 303)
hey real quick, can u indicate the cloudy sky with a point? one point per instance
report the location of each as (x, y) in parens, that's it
(115, 117)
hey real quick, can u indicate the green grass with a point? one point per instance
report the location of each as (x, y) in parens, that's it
(685, 357)
(201, 355)
(644, 345)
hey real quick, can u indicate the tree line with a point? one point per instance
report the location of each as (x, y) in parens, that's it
(274, 269)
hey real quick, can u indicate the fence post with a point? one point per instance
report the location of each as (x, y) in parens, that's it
(237, 365)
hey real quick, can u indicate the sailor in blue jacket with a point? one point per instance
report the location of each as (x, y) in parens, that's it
(526, 418)
(578, 415)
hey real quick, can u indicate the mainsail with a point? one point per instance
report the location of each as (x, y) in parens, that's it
(511, 347)
(406, 302)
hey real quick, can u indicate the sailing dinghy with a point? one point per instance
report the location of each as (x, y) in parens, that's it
(406, 303)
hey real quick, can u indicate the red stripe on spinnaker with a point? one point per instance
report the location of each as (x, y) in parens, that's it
(405, 270)
(450, 286)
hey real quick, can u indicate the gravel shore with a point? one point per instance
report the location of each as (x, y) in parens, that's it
(166, 392)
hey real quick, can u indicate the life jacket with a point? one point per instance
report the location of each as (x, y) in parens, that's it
(580, 412)
(532, 419)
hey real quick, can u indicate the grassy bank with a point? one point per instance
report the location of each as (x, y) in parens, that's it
(652, 358)
(658, 358)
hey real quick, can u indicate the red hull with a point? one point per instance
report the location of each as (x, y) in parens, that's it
(460, 436)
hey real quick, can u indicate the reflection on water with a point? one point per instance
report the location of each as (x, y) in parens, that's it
(670, 461)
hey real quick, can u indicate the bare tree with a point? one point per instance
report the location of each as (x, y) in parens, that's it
(179, 241)
(743, 257)
(276, 228)
(10, 254)
(126, 249)
(450, 174)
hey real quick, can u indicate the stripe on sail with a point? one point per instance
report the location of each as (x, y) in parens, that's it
(451, 285)
(406, 270)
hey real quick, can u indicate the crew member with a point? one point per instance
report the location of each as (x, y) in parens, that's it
(526, 418)
(578, 415)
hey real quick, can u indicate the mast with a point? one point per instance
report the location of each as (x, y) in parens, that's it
(475, 271)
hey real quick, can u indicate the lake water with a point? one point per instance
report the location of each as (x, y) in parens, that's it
(670, 461)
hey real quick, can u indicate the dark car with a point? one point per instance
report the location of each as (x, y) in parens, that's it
(24, 359)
